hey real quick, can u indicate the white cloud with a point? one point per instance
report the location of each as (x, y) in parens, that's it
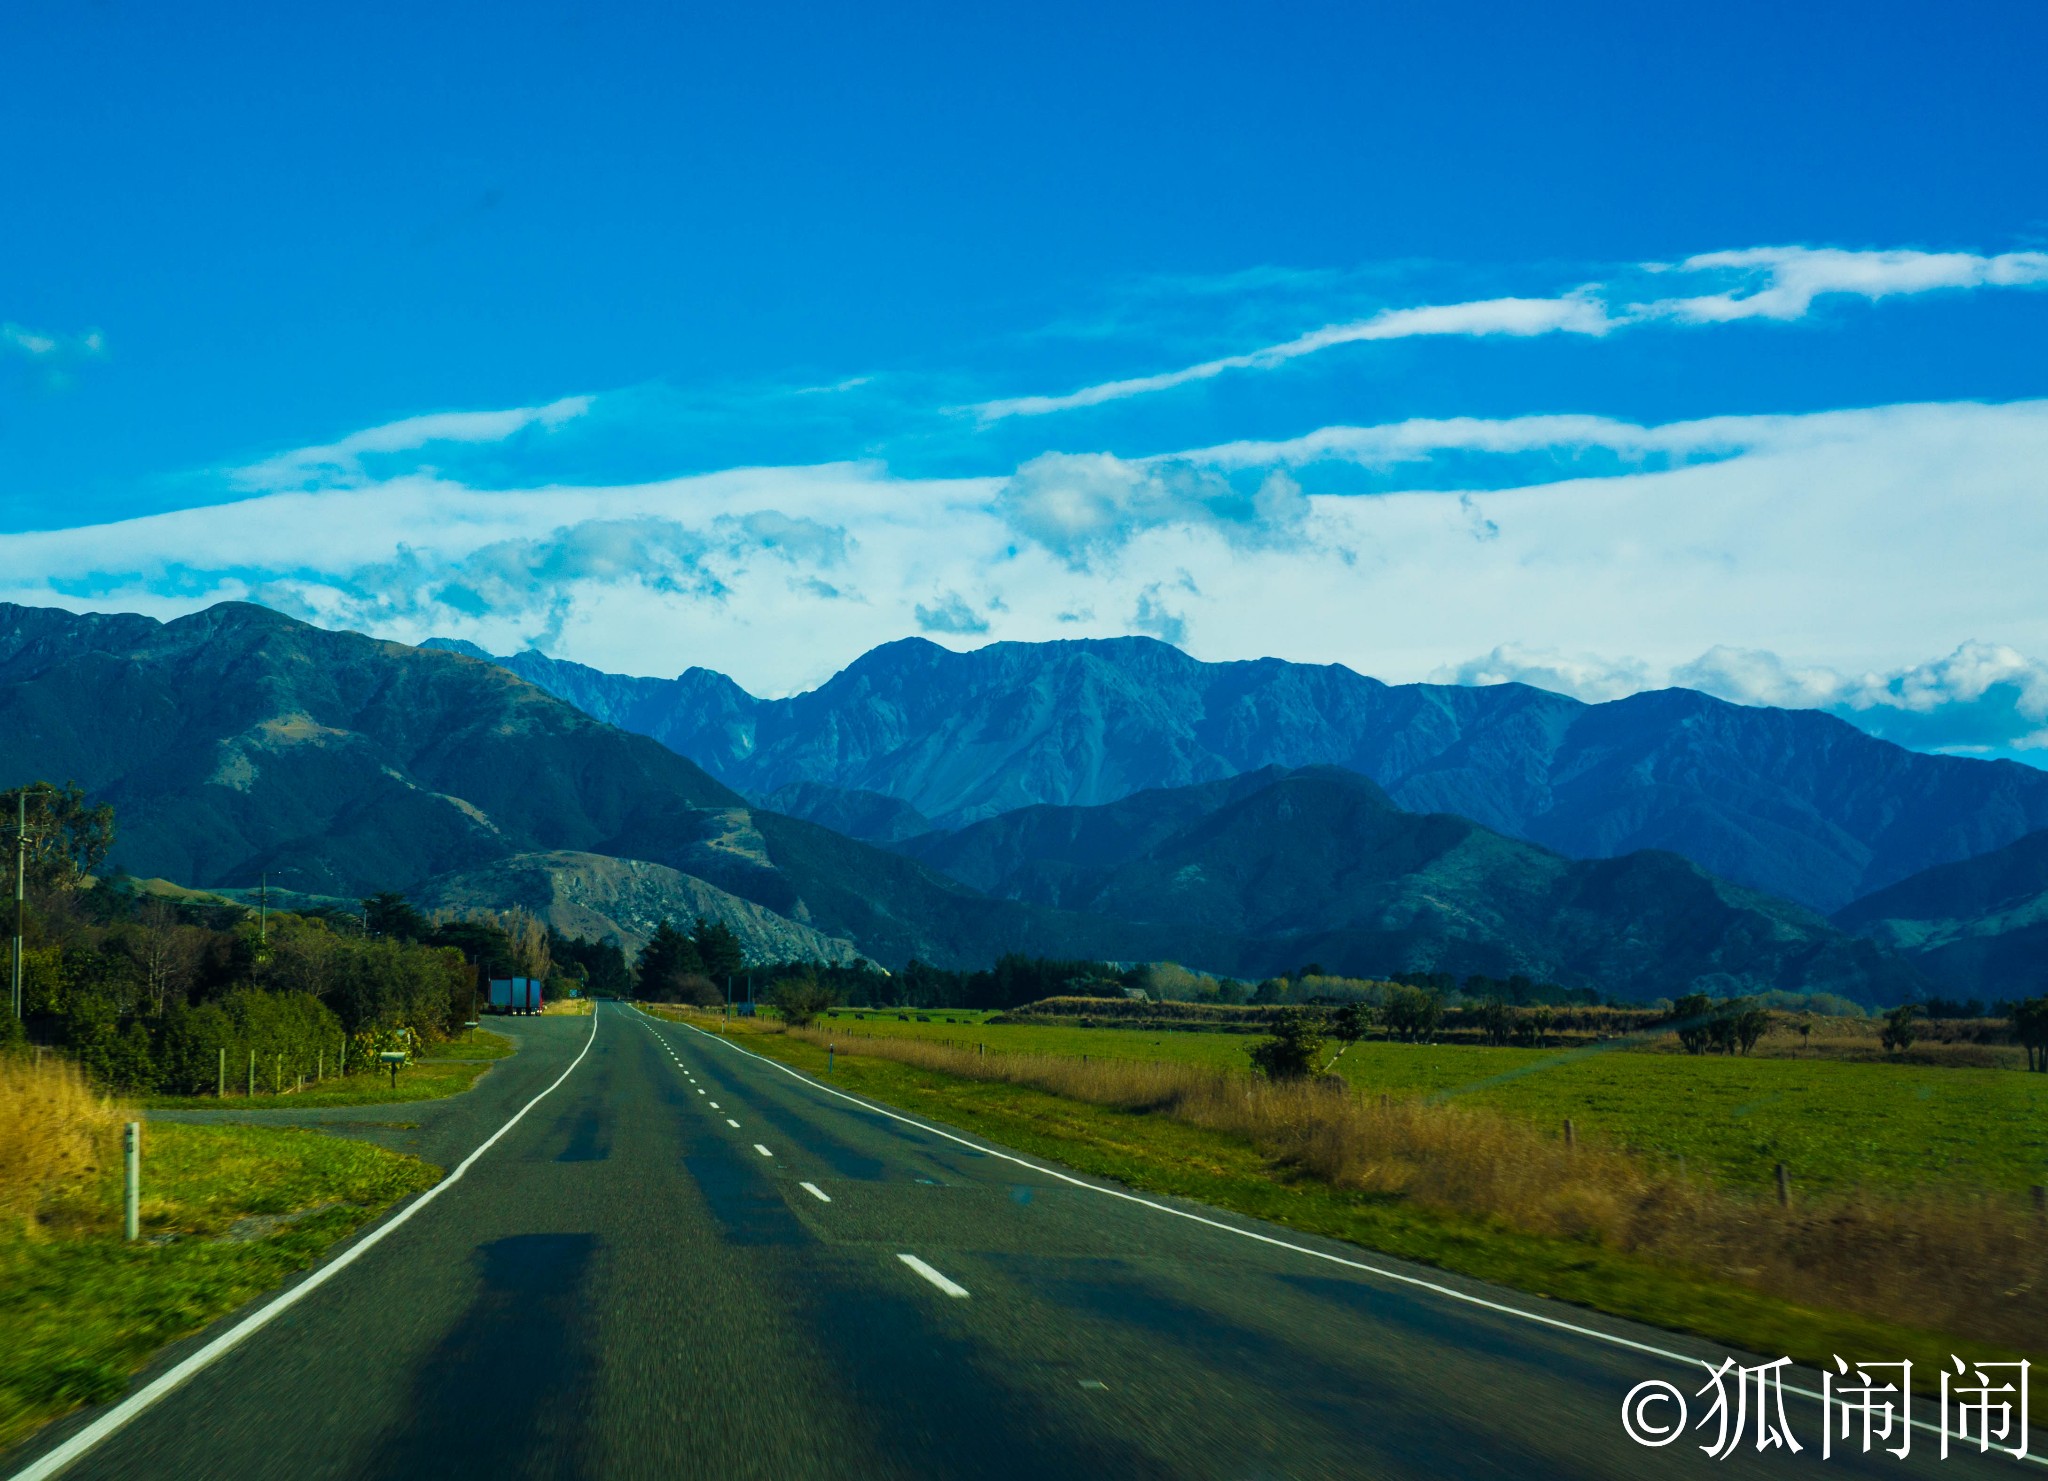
(1982, 696)
(1572, 314)
(1854, 543)
(1582, 675)
(1418, 439)
(341, 463)
(1782, 282)
(27, 341)
(1777, 283)
(1079, 505)
(40, 345)
(950, 614)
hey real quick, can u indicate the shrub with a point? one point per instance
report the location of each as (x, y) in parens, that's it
(1295, 1050)
(289, 1033)
(56, 1132)
(800, 999)
(1899, 1029)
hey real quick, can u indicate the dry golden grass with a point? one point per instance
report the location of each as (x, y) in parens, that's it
(1974, 1267)
(56, 1134)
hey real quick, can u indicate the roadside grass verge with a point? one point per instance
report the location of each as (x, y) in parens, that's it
(450, 1069)
(228, 1212)
(1478, 1193)
(426, 1080)
(1836, 1124)
(474, 1043)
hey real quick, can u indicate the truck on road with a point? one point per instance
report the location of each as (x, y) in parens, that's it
(515, 995)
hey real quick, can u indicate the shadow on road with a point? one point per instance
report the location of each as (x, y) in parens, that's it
(503, 1394)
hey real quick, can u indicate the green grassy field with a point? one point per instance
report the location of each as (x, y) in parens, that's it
(228, 1212)
(450, 1069)
(1835, 1124)
(1158, 1154)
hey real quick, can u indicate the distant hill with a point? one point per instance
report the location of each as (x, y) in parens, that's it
(1792, 802)
(1320, 865)
(869, 815)
(597, 896)
(238, 741)
(1979, 927)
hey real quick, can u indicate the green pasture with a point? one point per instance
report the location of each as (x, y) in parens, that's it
(1834, 1123)
(227, 1213)
(1160, 1155)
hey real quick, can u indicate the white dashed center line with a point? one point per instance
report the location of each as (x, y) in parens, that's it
(762, 1150)
(816, 1192)
(732, 1123)
(951, 1288)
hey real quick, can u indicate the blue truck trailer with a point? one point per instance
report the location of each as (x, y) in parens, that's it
(515, 995)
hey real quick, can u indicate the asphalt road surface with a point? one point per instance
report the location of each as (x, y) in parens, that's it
(685, 1261)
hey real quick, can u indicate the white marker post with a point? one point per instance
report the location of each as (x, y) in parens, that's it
(131, 1203)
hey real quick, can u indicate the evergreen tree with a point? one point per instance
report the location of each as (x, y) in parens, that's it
(718, 950)
(668, 957)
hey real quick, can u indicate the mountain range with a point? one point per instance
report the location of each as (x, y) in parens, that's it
(1791, 802)
(237, 741)
(1321, 859)
(1978, 927)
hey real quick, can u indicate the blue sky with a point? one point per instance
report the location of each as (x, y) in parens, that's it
(1599, 346)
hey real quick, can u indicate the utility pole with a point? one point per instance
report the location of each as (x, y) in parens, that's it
(20, 886)
(263, 902)
(21, 881)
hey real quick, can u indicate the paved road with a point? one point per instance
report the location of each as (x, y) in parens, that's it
(689, 1262)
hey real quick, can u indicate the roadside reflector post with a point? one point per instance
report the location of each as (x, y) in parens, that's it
(131, 1201)
(221, 1090)
(277, 1077)
(830, 1048)
(319, 1065)
(1571, 1137)
(1784, 1187)
(252, 1074)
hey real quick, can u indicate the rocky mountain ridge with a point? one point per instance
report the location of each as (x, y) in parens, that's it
(1795, 803)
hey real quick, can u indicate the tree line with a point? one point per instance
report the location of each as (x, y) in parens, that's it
(171, 994)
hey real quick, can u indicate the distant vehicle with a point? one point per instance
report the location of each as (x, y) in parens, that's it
(515, 995)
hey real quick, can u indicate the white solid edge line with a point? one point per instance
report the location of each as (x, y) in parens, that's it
(816, 1192)
(132, 1407)
(762, 1150)
(951, 1288)
(1180, 1213)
